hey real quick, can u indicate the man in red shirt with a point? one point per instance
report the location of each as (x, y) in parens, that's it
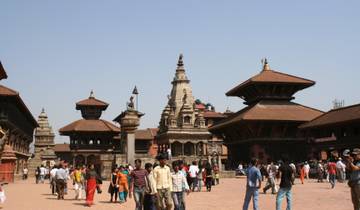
(332, 172)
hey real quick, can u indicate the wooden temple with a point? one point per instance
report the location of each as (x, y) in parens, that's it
(333, 132)
(92, 140)
(17, 125)
(268, 126)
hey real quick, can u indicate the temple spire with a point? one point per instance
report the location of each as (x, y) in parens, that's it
(92, 94)
(266, 64)
(180, 61)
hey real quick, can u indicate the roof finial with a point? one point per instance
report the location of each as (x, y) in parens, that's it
(266, 64)
(92, 94)
(43, 110)
(180, 61)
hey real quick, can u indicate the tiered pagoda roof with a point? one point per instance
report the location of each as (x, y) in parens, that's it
(269, 84)
(91, 109)
(268, 96)
(84, 125)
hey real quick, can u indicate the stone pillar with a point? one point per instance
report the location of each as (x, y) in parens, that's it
(182, 149)
(219, 162)
(129, 121)
(195, 147)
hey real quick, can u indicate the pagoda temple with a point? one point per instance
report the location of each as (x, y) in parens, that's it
(268, 127)
(91, 138)
(44, 153)
(182, 125)
(17, 125)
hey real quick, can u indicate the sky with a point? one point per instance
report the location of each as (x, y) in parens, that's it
(56, 52)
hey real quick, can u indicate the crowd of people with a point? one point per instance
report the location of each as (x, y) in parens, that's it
(336, 168)
(155, 186)
(160, 185)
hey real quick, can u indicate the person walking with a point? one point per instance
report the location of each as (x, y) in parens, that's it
(91, 182)
(61, 177)
(306, 169)
(271, 169)
(122, 181)
(302, 173)
(199, 177)
(208, 176)
(193, 172)
(216, 171)
(286, 174)
(53, 180)
(25, 173)
(340, 170)
(78, 182)
(137, 187)
(150, 189)
(332, 172)
(37, 175)
(320, 171)
(42, 174)
(180, 186)
(353, 165)
(113, 187)
(253, 183)
(162, 176)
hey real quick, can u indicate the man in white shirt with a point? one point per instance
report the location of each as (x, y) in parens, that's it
(180, 186)
(340, 170)
(193, 172)
(169, 153)
(42, 173)
(53, 179)
(162, 176)
(307, 170)
(25, 173)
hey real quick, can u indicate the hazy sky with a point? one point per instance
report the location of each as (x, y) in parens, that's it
(55, 52)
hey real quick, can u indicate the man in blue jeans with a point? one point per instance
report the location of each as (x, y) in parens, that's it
(285, 172)
(253, 185)
(138, 184)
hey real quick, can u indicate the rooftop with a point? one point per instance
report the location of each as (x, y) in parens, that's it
(7, 92)
(271, 111)
(91, 101)
(3, 74)
(335, 116)
(89, 126)
(62, 148)
(271, 77)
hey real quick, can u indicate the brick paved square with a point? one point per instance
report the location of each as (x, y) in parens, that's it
(226, 196)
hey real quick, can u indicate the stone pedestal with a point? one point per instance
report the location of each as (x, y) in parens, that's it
(129, 121)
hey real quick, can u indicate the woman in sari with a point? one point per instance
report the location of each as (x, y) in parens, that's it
(91, 177)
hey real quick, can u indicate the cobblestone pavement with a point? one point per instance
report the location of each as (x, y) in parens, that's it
(25, 195)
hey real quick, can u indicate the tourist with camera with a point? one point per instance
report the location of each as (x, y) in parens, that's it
(353, 165)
